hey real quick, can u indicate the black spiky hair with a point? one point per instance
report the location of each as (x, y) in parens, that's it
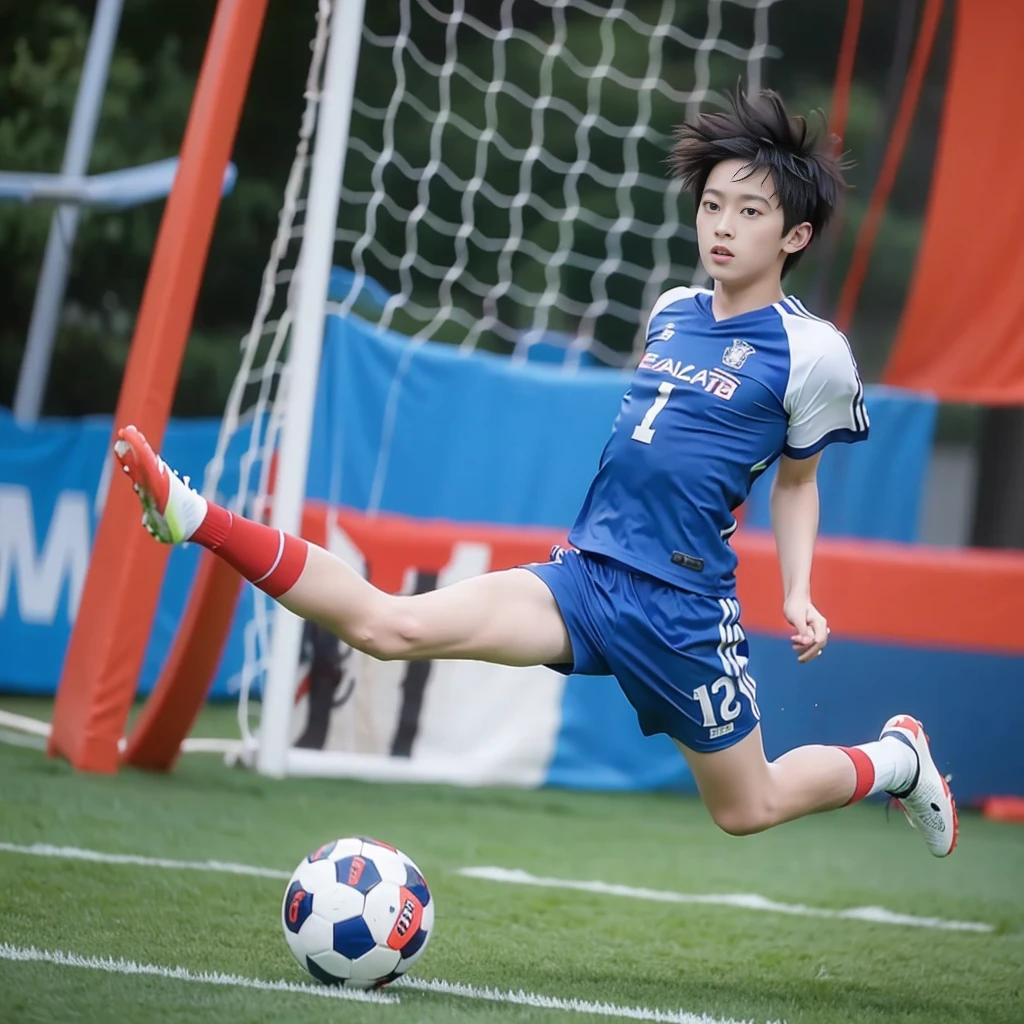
(806, 173)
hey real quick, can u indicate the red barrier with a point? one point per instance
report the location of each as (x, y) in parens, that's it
(871, 591)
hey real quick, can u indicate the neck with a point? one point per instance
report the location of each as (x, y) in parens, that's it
(730, 300)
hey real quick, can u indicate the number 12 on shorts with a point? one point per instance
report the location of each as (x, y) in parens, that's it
(729, 707)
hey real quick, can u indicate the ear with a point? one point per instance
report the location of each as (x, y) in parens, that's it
(797, 238)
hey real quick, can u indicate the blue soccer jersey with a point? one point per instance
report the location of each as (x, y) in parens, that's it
(711, 406)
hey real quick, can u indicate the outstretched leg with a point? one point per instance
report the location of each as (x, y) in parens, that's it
(746, 793)
(505, 617)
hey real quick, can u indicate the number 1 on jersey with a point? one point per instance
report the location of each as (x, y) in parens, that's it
(643, 431)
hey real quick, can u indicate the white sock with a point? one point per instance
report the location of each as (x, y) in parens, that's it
(189, 505)
(894, 762)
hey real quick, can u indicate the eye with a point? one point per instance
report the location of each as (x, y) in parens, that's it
(710, 206)
(752, 211)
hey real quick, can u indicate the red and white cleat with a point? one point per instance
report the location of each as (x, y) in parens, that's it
(171, 510)
(927, 802)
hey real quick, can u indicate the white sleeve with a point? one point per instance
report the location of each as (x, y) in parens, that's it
(825, 397)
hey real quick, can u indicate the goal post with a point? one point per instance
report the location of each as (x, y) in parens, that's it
(313, 274)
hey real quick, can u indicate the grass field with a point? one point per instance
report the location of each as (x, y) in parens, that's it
(642, 955)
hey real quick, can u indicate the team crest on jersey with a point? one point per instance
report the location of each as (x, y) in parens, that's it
(666, 333)
(737, 353)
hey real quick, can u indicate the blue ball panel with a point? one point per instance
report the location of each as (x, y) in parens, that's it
(352, 938)
(417, 885)
(320, 974)
(323, 853)
(415, 944)
(358, 873)
(298, 905)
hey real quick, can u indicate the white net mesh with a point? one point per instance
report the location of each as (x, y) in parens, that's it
(505, 187)
(505, 180)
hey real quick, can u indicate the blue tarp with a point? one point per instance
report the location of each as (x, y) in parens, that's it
(426, 430)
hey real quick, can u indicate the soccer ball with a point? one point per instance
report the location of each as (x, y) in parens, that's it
(357, 912)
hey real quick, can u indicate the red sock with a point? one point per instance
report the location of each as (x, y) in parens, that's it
(865, 773)
(269, 559)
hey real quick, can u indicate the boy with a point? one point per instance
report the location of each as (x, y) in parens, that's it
(732, 380)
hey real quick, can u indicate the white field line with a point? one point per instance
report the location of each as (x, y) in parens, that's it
(745, 901)
(116, 965)
(18, 739)
(521, 998)
(34, 727)
(25, 723)
(98, 857)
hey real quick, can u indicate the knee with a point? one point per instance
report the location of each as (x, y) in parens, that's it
(389, 632)
(745, 819)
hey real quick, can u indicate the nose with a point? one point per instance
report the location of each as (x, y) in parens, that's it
(723, 226)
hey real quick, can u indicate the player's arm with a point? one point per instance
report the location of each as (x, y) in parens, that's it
(825, 405)
(794, 510)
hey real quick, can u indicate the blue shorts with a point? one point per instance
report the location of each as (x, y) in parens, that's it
(680, 658)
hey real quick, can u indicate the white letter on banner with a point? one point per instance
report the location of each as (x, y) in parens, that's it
(65, 554)
(469, 558)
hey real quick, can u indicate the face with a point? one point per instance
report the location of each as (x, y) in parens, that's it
(739, 226)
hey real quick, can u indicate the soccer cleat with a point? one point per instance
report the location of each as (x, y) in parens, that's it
(171, 510)
(927, 802)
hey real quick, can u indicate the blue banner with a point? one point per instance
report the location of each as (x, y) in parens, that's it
(872, 491)
(53, 481)
(424, 430)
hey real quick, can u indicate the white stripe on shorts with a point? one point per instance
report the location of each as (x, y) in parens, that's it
(732, 635)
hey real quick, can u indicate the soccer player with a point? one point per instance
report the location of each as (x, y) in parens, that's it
(731, 381)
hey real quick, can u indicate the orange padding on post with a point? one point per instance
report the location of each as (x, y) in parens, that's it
(181, 690)
(960, 336)
(869, 591)
(122, 587)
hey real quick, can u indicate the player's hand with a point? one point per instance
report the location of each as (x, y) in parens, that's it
(810, 630)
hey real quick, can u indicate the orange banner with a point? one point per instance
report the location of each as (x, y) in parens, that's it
(869, 591)
(962, 333)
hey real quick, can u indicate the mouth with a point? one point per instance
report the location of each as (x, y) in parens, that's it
(720, 254)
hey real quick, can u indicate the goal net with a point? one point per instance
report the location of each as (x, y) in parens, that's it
(487, 174)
